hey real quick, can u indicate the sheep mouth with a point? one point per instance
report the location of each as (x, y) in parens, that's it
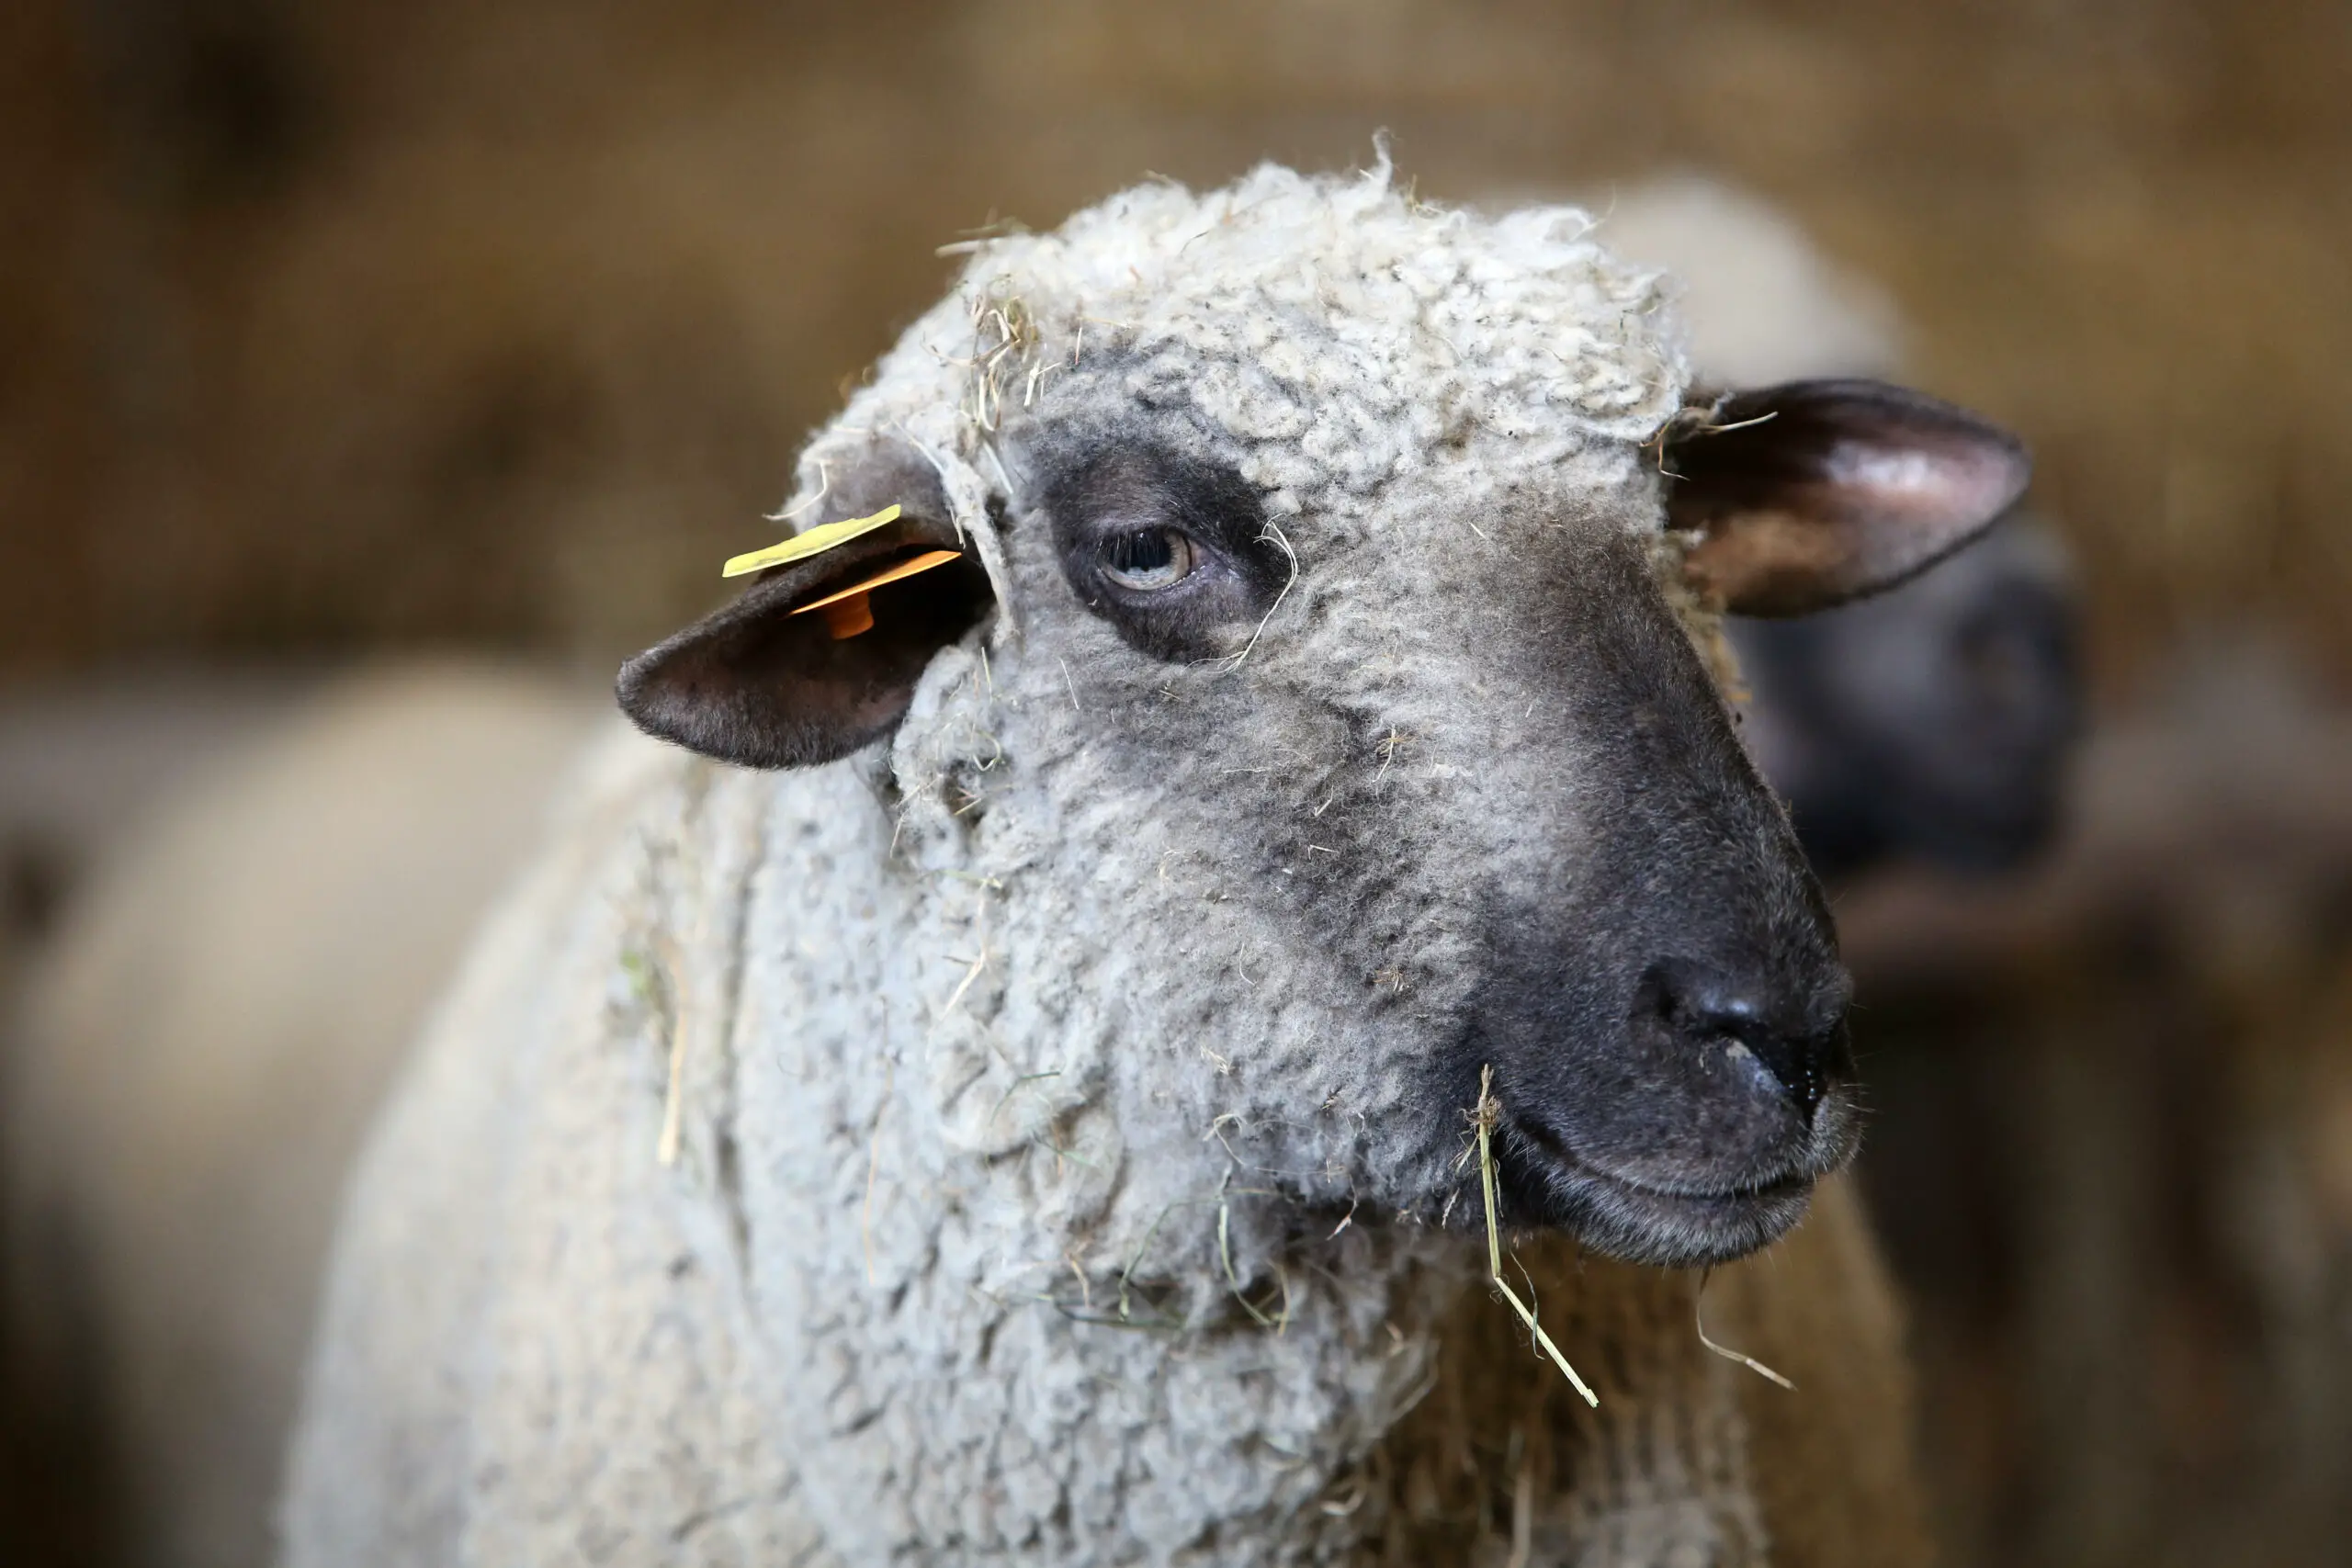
(1546, 1182)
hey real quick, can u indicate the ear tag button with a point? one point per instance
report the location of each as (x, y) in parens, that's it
(815, 542)
(848, 610)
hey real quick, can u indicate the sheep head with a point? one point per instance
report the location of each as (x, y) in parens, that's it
(1342, 730)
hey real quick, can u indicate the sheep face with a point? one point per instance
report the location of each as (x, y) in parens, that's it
(1364, 802)
(1339, 737)
(1474, 803)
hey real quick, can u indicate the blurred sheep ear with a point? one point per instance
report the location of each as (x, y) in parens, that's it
(777, 680)
(1810, 493)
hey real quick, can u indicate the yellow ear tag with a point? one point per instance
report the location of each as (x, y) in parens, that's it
(848, 612)
(815, 542)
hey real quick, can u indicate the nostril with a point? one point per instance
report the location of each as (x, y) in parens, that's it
(1803, 1066)
(1705, 1010)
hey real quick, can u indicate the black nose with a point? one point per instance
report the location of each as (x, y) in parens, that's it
(1710, 1010)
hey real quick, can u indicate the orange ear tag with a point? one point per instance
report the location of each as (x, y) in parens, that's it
(849, 612)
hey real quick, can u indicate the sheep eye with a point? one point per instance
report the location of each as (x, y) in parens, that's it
(1149, 561)
(1164, 548)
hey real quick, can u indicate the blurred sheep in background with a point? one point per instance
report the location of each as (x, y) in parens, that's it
(208, 1034)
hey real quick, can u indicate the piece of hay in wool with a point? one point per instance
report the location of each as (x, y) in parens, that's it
(1489, 1110)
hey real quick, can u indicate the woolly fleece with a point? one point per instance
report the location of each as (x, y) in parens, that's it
(1330, 335)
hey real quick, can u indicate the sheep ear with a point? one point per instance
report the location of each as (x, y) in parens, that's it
(1810, 493)
(769, 682)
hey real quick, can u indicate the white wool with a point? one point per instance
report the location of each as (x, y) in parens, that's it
(1327, 335)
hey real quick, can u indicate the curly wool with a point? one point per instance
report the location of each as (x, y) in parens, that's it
(1326, 335)
(1016, 1219)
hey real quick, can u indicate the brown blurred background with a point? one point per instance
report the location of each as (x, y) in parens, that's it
(345, 326)
(337, 324)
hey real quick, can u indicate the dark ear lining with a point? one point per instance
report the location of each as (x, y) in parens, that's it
(1810, 493)
(758, 686)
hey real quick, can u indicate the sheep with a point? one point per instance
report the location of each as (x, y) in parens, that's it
(203, 1049)
(721, 982)
(313, 1186)
(1031, 1125)
(1933, 721)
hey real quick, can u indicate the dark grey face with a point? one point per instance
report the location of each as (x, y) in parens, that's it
(1579, 879)
(1930, 723)
(1651, 973)
(1673, 1018)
